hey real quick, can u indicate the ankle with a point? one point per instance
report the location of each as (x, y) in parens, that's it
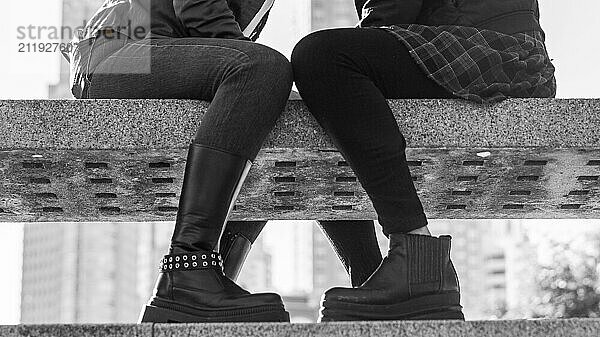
(420, 231)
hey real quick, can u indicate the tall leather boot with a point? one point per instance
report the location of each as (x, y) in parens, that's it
(416, 281)
(191, 286)
(236, 242)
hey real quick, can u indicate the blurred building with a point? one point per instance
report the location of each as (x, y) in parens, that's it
(75, 13)
(332, 14)
(80, 273)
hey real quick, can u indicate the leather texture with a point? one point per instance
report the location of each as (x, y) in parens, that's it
(235, 249)
(209, 185)
(416, 266)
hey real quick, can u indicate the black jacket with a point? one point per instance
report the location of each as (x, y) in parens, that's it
(505, 16)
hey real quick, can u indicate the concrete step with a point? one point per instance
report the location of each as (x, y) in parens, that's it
(515, 328)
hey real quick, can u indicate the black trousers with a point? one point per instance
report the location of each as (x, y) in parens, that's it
(345, 76)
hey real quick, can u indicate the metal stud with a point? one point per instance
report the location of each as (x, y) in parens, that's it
(203, 257)
(195, 264)
(170, 266)
(205, 264)
(214, 263)
(186, 265)
(177, 258)
(165, 260)
(194, 257)
(213, 256)
(185, 258)
(171, 259)
(176, 265)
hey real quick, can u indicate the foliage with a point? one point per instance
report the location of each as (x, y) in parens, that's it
(569, 286)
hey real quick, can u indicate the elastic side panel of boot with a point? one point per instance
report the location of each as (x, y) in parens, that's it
(425, 259)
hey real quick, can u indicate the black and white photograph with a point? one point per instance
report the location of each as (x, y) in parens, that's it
(331, 168)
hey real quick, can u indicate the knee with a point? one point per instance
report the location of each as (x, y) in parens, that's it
(316, 54)
(269, 66)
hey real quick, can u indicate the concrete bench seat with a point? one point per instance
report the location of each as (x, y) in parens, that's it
(520, 328)
(123, 160)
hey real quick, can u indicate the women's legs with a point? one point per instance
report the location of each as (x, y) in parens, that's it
(360, 259)
(345, 77)
(249, 85)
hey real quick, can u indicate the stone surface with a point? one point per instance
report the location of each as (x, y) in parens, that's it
(518, 328)
(157, 124)
(299, 184)
(77, 330)
(123, 160)
(538, 328)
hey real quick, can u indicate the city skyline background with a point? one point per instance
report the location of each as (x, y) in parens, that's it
(495, 259)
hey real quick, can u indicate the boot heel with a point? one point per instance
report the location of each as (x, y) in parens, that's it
(151, 314)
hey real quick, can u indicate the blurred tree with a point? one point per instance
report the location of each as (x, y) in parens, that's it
(569, 286)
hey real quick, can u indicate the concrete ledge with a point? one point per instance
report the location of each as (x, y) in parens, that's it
(158, 124)
(123, 160)
(520, 328)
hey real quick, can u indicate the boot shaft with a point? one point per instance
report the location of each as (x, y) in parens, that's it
(211, 183)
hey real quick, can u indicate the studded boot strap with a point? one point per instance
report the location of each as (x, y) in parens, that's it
(191, 261)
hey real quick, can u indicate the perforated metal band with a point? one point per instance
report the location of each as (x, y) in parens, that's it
(191, 261)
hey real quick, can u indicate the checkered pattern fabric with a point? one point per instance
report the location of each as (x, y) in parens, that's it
(481, 65)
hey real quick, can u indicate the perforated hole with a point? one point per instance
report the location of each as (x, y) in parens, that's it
(345, 179)
(285, 164)
(284, 208)
(33, 165)
(52, 210)
(416, 178)
(579, 192)
(285, 194)
(159, 165)
(587, 178)
(343, 194)
(462, 192)
(109, 209)
(571, 206)
(167, 209)
(342, 207)
(101, 180)
(39, 180)
(343, 163)
(528, 178)
(520, 192)
(456, 206)
(513, 206)
(414, 163)
(46, 195)
(96, 165)
(285, 179)
(106, 195)
(165, 195)
(163, 180)
(473, 163)
(467, 178)
(535, 162)
(594, 162)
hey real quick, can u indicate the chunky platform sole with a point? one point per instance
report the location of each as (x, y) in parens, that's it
(431, 307)
(173, 313)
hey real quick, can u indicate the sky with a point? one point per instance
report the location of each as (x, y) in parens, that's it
(571, 30)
